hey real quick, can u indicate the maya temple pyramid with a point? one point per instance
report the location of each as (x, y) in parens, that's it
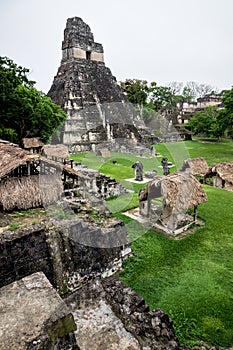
(97, 109)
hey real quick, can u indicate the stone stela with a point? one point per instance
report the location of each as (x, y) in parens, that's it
(138, 171)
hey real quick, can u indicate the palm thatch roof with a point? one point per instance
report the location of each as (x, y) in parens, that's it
(55, 151)
(30, 192)
(32, 142)
(223, 170)
(179, 190)
(196, 166)
(12, 157)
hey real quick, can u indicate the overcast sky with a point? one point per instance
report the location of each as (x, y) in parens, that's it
(155, 40)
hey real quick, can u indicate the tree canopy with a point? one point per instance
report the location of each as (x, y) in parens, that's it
(150, 98)
(226, 114)
(25, 111)
(213, 121)
(155, 101)
(206, 123)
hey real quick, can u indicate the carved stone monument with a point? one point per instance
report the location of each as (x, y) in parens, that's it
(166, 169)
(138, 171)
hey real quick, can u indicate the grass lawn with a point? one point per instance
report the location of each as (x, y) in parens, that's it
(213, 152)
(191, 279)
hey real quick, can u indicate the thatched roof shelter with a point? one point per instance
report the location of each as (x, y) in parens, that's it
(223, 170)
(30, 192)
(19, 190)
(222, 174)
(196, 166)
(32, 142)
(12, 157)
(179, 190)
(58, 151)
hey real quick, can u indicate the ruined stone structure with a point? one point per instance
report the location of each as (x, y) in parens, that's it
(188, 109)
(97, 109)
(115, 317)
(68, 252)
(98, 312)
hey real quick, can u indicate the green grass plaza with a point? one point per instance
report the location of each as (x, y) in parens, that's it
(191, 278)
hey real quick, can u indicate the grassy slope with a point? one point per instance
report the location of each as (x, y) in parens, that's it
(191, 279)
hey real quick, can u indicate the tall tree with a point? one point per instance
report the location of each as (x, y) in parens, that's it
(225, 118)
(176, 87)
(137, 92)
(206, 123)
(193, 90)
(24, 111)
(160, 96)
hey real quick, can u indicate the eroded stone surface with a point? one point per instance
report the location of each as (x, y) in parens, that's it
(99, 328)
(33, 316)
(110, 315)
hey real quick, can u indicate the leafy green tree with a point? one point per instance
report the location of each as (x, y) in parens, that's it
(137, 92)
(225, 118)
(206, 123)
(150, 98)
(160, 96)
(25, 111)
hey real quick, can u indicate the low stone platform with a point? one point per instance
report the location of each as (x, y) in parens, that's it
(33, 316)
(178, 234)
(144, 181)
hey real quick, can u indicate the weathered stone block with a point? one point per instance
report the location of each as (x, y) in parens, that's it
(22, 253)
(33, 316)
(115, 317)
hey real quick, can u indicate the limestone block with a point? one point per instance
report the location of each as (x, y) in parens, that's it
(104, 329)
(33, 316)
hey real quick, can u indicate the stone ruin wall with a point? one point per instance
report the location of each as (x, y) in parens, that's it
(92, 183)
(117, 315)
(68, 255)
(23, 253)
(34, 317)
